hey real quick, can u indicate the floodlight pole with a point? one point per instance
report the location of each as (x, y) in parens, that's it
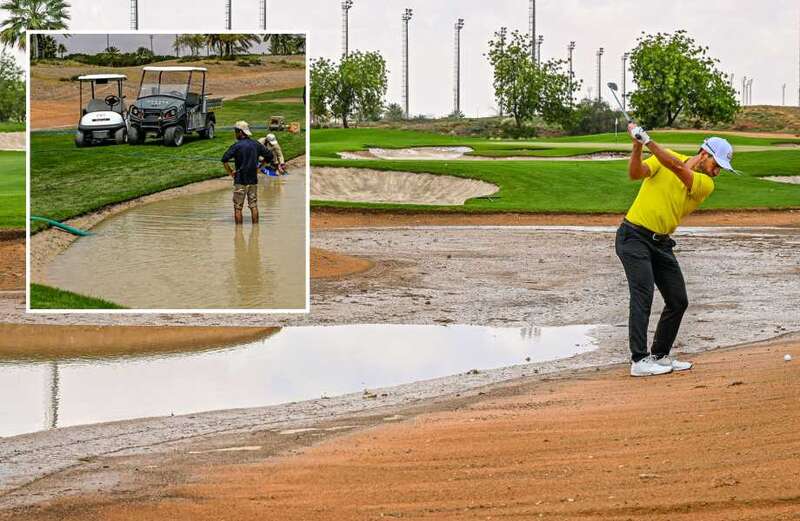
(457, 73)
(228, 15)
(625, 57)
(346, 5)
(750, 91)
(744, 90)
(570, 50)
(152, 50)
(407, 14)
(783, 95)
(135, 15)
(600, 74)
(262, 13)
(532, 27)
(539, 42)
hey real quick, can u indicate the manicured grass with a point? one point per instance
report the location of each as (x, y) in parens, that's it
(12, 189)
(67, 181)
(277, 94)
(683, 138)
(327, 142)
(45, 297)
(257, 112)
(11, 126)
(552, 186)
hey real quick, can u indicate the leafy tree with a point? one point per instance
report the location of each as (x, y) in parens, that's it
(26, 15)
(354, 87)
(12, 90)
(394, 112)
(144, 55)
(285, 44)
(456, 114)
(675, 76)
(524, 88)
(592, 116)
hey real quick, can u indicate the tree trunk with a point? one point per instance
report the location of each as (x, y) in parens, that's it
(344, 121)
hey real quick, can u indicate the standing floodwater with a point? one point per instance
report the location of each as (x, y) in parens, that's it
(298, 363)
(186, 253)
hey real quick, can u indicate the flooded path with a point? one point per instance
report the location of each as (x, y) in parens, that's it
(186, 253)
(296, 364)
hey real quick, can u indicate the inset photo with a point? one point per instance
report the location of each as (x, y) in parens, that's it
(167, 172)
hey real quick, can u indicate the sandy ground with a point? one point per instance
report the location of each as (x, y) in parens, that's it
(376, 186)
(30, 342)
(12, 140)
(54, 102)
(461, 153)
(699, 445)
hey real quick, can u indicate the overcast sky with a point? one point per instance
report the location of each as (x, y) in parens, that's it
(759, 39)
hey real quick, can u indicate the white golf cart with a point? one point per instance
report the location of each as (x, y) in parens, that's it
(104, 117)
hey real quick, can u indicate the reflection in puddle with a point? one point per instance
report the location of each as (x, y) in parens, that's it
(295, 364)
(186, 253)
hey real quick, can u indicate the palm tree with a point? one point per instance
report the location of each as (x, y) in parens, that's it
(26, 15)
(62, 50)
(231, 44)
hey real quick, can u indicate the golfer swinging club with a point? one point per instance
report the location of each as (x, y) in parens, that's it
(674, 186)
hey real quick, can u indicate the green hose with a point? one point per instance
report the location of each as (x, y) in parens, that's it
(65, 227)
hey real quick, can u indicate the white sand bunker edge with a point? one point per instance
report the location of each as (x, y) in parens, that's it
(12, 141)
(460, 153)
(792, 180)
(362, 185)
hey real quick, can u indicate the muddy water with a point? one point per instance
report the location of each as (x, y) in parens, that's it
(295, 364)
(186, 253)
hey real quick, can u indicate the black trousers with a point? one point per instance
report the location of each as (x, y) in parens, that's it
(648, 262)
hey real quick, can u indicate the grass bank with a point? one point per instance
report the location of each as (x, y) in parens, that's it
(12, 126)
(45, 297)
(12, 189)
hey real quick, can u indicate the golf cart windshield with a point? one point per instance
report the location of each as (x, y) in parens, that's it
(164, 83)
(102, 94)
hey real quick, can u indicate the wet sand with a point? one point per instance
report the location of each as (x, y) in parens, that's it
(698, 445)
(42, 341)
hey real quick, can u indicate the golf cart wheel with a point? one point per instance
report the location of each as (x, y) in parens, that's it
(208, 133)
(80, 139)
(173, 136)
(135, 136)
(121, 136)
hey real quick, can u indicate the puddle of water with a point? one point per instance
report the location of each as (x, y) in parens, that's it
(186, 253)
(296, 364)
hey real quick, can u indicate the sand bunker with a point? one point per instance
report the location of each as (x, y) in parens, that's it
(361, 185)
(460, 153)
(12, 140)
(792, 180)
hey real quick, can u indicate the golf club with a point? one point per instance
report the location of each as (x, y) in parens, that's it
(613, 87)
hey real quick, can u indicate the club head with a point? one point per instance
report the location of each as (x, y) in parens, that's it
(612, 86)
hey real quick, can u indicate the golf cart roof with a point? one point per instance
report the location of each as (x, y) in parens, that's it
(175, 69)
(95, 77)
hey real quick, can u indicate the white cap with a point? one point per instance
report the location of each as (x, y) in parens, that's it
(244, 127)
(721, 151)
(271, 139)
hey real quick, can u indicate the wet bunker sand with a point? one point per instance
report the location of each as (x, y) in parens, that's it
(55, 342)
(290, 365)
(375, 186)
(582, 445)
(187, 253)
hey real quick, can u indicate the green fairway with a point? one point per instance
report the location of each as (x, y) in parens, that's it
(45, 297)
(555, 186)
(12, 189)
(11, 126)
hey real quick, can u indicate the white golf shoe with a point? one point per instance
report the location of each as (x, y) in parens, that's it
(649, 367)
(676, 365)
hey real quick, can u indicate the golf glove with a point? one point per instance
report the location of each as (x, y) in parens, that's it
(640, 135)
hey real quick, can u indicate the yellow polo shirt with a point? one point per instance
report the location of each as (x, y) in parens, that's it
(663, 199)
